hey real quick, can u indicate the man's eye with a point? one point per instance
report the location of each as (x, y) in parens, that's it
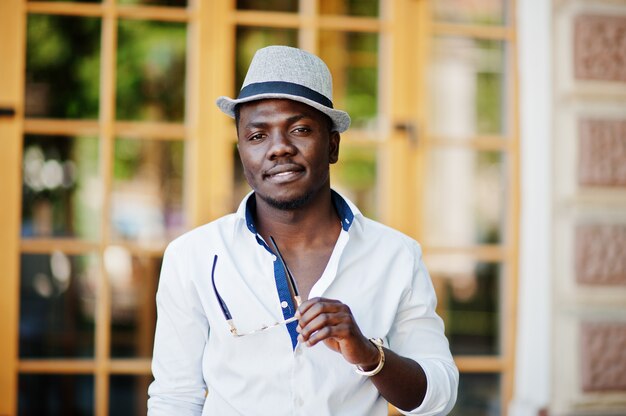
(257, 136)
(302, 130)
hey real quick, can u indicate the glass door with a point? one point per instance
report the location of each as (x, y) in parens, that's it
(466, 191)
(111, 145)
(104, 187)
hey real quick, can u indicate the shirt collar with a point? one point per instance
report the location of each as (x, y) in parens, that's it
(348, 212)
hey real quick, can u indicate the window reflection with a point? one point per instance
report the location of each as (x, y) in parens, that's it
(241, 187)
(133, 281)
(57, 305)
(268, 5)
(478, 12)
(353, 60)
(129, 395)
(147, 197)
(250, 39)
(354, 176)
(465, 194)
(467, 94)
(61, 189)
(151, 71)
(363, 8)
(55, 395)
(62, 66)
(479, 395)
(172, 3)
(468, 294)
(72, 1)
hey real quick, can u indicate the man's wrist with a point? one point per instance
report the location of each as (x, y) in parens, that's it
(376, 365)
(374, 355)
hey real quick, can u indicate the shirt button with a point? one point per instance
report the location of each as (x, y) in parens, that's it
(273, 257)
(299, 401)
(284, 304)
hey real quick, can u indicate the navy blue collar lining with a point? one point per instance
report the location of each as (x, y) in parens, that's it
(342, 207)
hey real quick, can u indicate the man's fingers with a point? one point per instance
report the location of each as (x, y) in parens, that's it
(313, 307)
(320, 321)
(334, 332)
(314, 304)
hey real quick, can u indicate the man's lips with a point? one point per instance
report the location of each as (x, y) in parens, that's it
(283, 172)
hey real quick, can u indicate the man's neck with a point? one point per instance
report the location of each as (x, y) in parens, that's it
(311, 224)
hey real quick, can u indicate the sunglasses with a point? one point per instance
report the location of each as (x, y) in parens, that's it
(293, 291)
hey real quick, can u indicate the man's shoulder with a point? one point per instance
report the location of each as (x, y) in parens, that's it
(389, 235)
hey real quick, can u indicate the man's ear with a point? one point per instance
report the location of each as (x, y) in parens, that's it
(333, 147)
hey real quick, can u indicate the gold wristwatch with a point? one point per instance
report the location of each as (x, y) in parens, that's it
(378, 342)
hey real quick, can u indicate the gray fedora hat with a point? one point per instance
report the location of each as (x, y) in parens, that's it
(288, 73)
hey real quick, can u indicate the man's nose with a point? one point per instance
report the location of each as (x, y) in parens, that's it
(280, 145)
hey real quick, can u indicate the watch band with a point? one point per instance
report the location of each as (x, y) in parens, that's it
(378, 342)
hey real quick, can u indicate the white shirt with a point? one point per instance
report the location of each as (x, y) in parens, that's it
(201, 369)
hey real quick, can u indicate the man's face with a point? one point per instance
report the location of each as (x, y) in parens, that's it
(286, 148)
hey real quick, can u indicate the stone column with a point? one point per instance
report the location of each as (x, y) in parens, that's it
(589, 209)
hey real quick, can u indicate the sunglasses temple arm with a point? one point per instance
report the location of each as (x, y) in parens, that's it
(223, 306)
(293, 286)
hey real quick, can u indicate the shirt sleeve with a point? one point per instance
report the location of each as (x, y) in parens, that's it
(180, 339)
(418, 333)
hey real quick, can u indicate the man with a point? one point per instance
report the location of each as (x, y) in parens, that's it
(232, 337)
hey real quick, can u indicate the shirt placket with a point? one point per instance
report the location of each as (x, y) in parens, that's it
(297, 386)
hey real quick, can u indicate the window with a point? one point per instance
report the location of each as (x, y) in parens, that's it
(120, 149)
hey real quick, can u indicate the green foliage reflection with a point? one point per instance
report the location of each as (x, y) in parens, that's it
(250, 39)
(62, 66)
(489, 85)
(151, 71)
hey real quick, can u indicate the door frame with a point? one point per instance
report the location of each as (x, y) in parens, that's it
(209, 138)
(13, 30)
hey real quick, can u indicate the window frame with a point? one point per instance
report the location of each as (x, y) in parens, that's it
(208, 136)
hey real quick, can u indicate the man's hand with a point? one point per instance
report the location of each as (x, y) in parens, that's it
(402, 381)
(331, 322)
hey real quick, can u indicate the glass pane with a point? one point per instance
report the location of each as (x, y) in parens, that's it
(71, 1)
(61, 189)
(55, 395)
(147, 195)
(57, 305)
(469, 298)
(468, 91)
(174, 3)
(354, 176)
(269, 5)
(478, 12)
(250, 39)
(129, 395)
(479, 395)
(465, 197)
(368, 8)
(133, 283)
(62, 66)
(353, 62)
(151, 71)
(241, 187)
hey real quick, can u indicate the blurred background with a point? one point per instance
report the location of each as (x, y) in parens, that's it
(492, 131)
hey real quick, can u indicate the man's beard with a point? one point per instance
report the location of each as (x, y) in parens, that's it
(288, 205)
